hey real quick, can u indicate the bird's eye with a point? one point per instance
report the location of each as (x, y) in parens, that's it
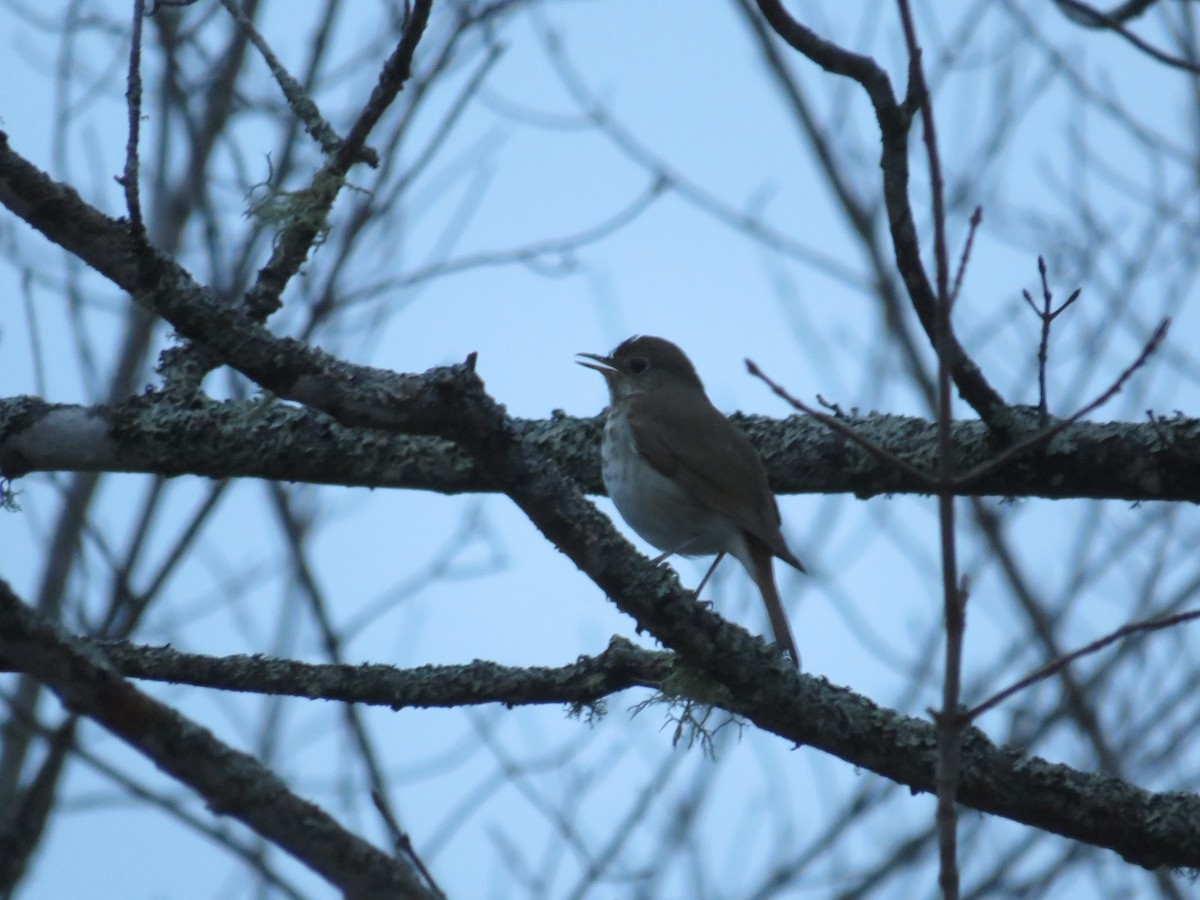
(638, 365)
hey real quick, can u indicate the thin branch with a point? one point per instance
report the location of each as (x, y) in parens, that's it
(976, 219)
(1090, 17)
(133, 98)
(24, 824)
(954, 597)
(894, 120)
(1057, 665)
(743, 222)
(886, 457)
(296, 240)
(403, 842)
(301, 104)
(530, 254)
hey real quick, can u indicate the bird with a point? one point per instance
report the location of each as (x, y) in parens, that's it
(684, 477)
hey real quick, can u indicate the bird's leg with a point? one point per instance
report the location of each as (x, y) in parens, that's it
(708, 574)
(663, 557)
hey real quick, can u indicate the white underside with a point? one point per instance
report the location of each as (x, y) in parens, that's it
(660, 511)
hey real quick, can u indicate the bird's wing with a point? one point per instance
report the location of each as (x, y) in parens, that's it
(723, 472)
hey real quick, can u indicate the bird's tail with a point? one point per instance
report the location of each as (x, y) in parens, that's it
(764, 577)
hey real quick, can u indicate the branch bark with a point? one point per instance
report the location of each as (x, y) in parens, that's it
(232, 782)
(1153, 460)
(1148, 829)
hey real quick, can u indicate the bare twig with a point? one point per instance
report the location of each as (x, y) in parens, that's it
(402, 840)
(659, 168)
(133, 98)
(1089, 17)
(949, 725)
(586, 681)
(530, 254)
(1062, 662)
(976, 219)
(884, 456)
(301, 104)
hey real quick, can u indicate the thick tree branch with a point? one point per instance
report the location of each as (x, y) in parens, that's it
(1154, 460)
(232, 782)
(1146, 828)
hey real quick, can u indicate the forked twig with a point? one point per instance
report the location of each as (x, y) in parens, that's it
(1047, 315)
(1048, 434)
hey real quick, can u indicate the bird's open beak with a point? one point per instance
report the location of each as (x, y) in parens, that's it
(603, 365)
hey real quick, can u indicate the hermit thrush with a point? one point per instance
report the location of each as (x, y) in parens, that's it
(681, 475)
